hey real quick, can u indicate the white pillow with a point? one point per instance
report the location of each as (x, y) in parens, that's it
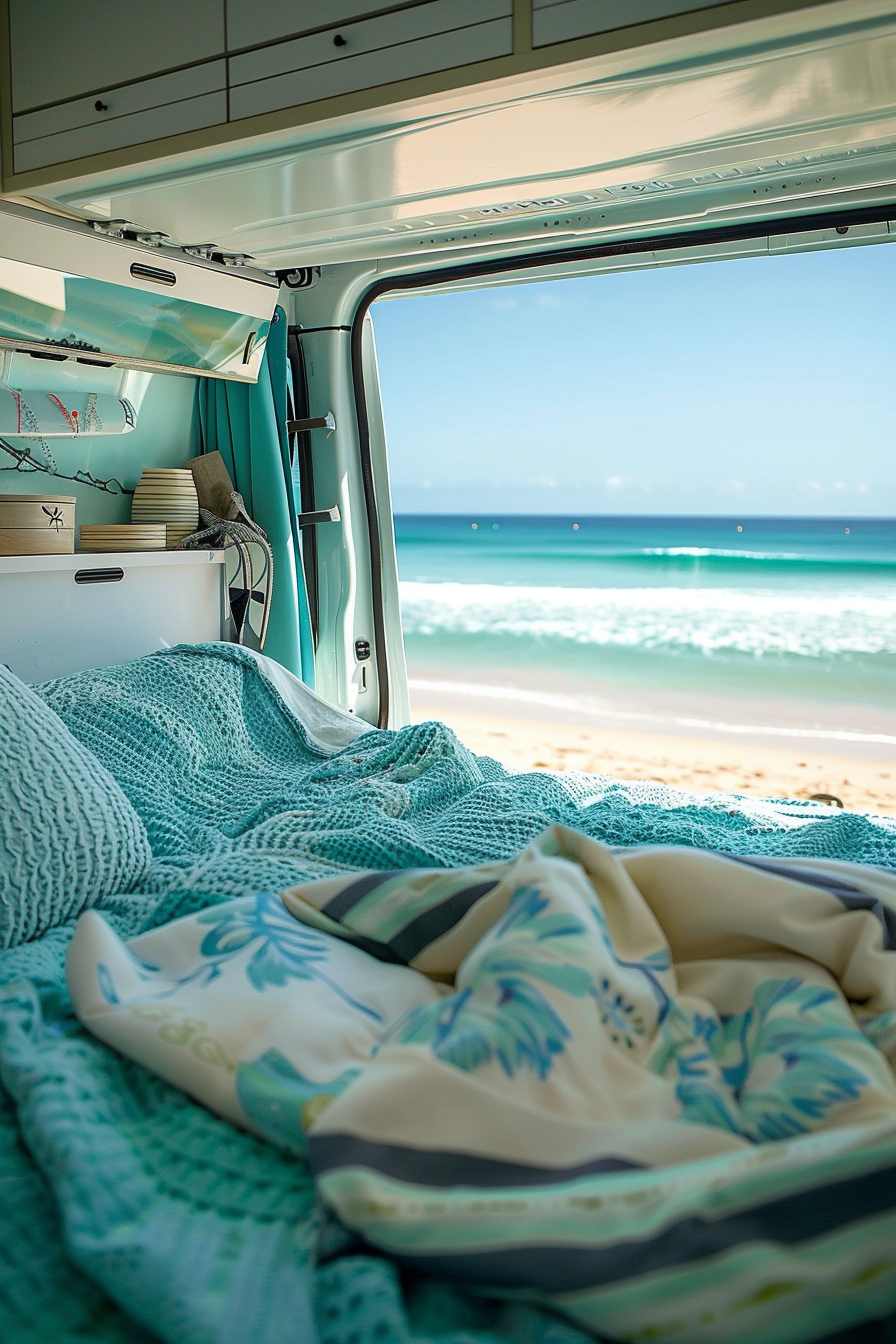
(251, 1012)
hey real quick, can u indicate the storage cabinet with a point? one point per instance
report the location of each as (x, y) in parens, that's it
(162, 70)
(186, 100)
(88, 77)
(62, 49)
(560, 20)
(106, 609)
(415, 40)
(259, 21)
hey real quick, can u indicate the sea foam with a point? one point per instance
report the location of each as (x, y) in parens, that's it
(710, 621)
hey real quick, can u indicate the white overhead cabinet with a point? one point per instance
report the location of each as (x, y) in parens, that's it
(90, 76)
(186, 100)
(561, 20)
(252, 23)
(414, 40)
(63, 48)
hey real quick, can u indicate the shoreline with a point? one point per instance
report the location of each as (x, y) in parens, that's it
(789, 723)
(864, 783)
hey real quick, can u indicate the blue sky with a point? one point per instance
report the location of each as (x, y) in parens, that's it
(756, 386)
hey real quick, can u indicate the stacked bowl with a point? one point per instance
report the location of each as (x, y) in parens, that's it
(167, 495)
(111, 537)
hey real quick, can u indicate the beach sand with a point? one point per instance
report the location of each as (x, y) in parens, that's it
(864, 784)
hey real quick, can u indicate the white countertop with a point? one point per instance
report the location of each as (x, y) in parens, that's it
(25, 564)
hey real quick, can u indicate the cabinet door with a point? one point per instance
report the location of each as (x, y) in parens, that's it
(63, 48)
(185, 100)
(252, 22)
(414, 41)
(560, 20)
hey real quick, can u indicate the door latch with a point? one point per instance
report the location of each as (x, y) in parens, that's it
(320, 516)
(327, 422)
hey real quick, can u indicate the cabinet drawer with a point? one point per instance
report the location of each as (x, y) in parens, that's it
(62, 49)
(273, 20)
(560, 20)
(407, 42)
(183, 101)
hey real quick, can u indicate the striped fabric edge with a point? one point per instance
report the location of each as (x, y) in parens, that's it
(852, 898)
(442, 1169)
(346, 900)
(435, 923)
(316, 919)
(569, 1267)
(419, 932)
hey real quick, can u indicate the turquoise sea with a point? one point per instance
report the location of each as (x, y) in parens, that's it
(742, 607)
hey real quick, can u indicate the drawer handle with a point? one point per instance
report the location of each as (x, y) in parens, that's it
(99, 575)
(152, 273)
(101, 106)
(340, 41)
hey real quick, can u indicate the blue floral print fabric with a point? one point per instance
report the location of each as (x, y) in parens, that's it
(131, 1212)
(243, 1007)
(589, 1070)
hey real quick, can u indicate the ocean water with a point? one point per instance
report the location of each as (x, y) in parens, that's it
(762, 608)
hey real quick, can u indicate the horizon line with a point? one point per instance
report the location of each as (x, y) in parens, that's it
(715, 517)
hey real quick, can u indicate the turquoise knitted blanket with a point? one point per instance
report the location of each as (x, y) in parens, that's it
(127, 1212)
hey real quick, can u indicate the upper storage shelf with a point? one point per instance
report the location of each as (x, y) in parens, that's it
(562, 20)
(417, 40)
(94, 85)
(129, 75)
(62, 50)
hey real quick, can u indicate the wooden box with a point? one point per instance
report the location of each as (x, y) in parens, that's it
(37, 524)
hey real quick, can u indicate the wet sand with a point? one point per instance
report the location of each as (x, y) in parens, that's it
(864, 783)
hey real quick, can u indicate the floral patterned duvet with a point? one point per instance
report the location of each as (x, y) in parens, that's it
(650, 1089)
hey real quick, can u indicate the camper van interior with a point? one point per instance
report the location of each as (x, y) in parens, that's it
(332, 1011)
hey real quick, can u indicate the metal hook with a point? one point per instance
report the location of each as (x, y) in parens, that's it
(317, 516)
(327, 422)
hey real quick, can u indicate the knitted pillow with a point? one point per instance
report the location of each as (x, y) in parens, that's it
(68, 835)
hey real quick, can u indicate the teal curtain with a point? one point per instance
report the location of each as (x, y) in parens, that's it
(246, 422)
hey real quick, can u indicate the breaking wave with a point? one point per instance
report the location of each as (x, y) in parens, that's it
(709, 621)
